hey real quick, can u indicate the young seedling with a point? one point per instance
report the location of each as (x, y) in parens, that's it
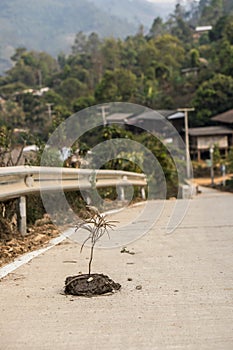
(97, 225)
(92, 284)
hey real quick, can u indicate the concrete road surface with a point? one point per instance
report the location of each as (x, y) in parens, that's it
(185, 300)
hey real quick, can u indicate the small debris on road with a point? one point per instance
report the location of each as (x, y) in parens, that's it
(125, 250)
(139, 287)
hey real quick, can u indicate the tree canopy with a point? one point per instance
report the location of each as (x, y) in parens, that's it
(167, 68)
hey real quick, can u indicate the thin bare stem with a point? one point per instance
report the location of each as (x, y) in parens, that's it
(97, 226)
(91, 258)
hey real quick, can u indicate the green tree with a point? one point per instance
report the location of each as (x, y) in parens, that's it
(218, 29)
(32, 68)
(129, 54)
(211, 11)
(53, 97)
(216, 155)
(170, 51)
(117, 85)
(157, 28)
(18, 54)
(165, 161)
(230, 160)
(111, 51)
(9, 89)
(80, 44)
(71, 88)
(224, 57)
(12, 114)
(96, 59)
(148, 59)
(212, 97)
(179, 27)
(194, 58)
(83, 102)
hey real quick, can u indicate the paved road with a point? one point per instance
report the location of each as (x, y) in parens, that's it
(186, 300)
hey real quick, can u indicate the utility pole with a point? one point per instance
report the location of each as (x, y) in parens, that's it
(49, 105)
(212, 165)
(103, 110)
(40, 78)
(186, 125)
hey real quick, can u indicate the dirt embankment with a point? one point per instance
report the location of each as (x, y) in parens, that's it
(12, 244)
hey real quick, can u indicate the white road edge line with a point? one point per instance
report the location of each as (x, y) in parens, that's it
(25, 258)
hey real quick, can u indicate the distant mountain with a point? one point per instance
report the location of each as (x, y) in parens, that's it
(51, 25)
(136, 11)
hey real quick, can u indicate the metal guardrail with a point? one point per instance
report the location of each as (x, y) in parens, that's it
(19, 181)
(23, 180)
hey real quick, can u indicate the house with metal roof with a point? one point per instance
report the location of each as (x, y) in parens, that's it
(203, 138)
(201, 30)
(167, 124)
(149, 119)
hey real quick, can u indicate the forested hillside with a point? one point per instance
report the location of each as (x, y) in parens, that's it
(166, 68)
(51, 25)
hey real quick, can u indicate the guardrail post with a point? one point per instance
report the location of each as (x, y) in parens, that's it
(22, 219)
(122, 193)
(143, 193)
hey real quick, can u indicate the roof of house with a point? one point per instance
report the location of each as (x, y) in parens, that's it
(226, 117)
(203, 28)
(147, 115)
(210, 131)
(118, 117)
(155, 115)
(171, 114)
